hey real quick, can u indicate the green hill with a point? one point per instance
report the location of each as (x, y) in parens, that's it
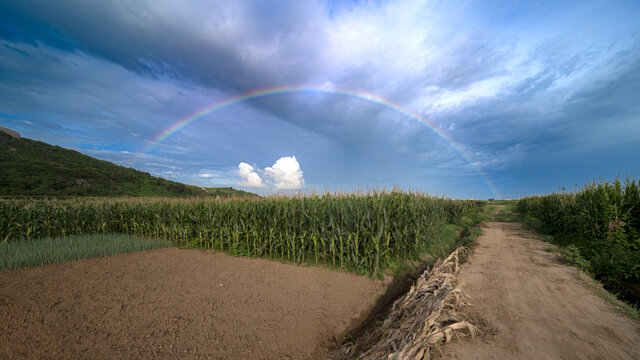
(34, 168)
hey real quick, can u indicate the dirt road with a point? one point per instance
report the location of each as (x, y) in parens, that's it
(536, 307)
(173, 304)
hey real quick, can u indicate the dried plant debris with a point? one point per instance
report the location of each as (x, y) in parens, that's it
(421, 321)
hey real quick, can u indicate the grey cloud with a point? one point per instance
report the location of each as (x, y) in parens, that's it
(240, 47)
(474, 59)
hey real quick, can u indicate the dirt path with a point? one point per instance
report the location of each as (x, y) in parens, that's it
(171, 303)
(537, 307)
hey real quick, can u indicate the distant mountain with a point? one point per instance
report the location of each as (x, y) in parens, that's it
(34, 168)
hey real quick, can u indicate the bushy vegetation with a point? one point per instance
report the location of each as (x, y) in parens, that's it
(599, 225)
(34, 168)
(364, 233)
(19, 254)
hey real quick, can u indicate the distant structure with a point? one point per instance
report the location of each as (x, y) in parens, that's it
(11, 133)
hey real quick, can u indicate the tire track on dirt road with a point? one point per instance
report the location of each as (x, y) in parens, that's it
(536, 307)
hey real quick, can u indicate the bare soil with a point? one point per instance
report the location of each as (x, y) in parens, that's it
(172, 303)
(532, 306)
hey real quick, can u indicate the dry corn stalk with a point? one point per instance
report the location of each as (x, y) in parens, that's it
(420, 321)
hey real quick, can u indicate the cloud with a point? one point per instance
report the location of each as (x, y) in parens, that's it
(286, 173)
(250, 178)
(208, 176)
(509, 83)
(227, 45)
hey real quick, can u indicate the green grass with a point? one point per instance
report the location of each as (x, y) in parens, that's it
(504, 202)
(506, 214)
(616, 304)
(19, 254)
(486, 213)
(440, 246)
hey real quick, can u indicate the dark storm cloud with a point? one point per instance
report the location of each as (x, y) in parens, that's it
(245, 45)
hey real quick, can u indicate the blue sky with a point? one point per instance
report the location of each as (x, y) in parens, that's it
(536, 94)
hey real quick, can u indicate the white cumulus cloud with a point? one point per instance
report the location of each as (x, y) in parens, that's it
(286, 173)
(250, 178)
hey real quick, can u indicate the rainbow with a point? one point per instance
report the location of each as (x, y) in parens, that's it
(269, 92)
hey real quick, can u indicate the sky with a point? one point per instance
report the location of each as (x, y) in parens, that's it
(465, 99)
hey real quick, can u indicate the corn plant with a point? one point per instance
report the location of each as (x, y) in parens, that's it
(360, 232)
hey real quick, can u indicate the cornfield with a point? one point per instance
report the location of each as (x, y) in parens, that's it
(602, 221)
(364, 233)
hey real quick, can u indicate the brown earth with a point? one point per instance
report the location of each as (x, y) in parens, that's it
(172, 303)
(534, 307)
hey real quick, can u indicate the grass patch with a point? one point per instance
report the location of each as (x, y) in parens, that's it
(550, 250)
(616, 304)
(487, 213)
(443, 244)
(439, 246)
(504, 202)
(506, 213)
(505, 217)
(571, 255)
(19, 254)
